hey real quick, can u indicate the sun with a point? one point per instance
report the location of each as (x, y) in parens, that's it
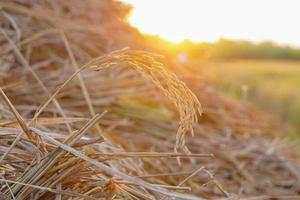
(172, 20)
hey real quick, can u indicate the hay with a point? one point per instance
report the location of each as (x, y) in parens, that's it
(82, 120)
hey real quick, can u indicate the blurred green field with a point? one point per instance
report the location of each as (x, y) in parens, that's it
(273, 86)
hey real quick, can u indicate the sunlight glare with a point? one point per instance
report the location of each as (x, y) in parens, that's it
(210, 20)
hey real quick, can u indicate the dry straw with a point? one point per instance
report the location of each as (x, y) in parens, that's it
(50, 145)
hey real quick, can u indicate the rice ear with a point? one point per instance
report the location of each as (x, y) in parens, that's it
(150, 68)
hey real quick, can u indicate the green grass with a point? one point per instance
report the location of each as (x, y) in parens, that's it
(273, 86)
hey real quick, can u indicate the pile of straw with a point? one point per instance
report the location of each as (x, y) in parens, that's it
(82, 120)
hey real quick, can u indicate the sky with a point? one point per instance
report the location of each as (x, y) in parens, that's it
(210, 20)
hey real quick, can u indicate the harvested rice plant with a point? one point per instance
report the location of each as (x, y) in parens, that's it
(92, 106)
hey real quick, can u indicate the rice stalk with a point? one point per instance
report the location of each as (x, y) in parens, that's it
(145, 63)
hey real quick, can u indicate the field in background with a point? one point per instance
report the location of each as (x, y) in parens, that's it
(273, 86)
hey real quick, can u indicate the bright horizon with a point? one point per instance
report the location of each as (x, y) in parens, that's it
(210, 20)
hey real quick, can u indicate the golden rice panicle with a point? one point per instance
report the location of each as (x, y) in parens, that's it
(149, 67)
